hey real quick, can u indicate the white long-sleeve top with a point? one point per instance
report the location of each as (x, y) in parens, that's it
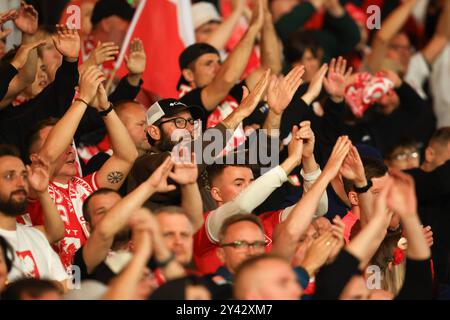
(255, 194)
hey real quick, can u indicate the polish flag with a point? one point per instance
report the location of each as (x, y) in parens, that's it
(165, 27)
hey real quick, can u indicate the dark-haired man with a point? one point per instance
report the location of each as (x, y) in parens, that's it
(33, 255)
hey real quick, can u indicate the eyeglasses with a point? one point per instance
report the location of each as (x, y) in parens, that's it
(181, 123)
(398, 47)
(406, 155)
(244, 245)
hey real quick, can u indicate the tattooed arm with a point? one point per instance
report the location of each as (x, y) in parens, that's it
(113, 172)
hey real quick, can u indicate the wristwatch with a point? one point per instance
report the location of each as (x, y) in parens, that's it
(104, 113)
(365, 188)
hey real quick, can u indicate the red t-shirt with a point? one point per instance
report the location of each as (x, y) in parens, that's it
(349, 220)
(205, 255)
(69, 202)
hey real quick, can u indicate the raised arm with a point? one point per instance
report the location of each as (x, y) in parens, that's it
(38, 178)
(297, 17)
(311, 169)
(257, 192)
(185, 174)
(219, 38)
(270, 49)
(292, 228)
(99, 243)
(26, 20)
(113, 172)
(418, 283)
(353, 170)
(390, 27)
(367, 241)
(61, 135)
(248, 103)
(125, 285)
(279, 95)
(234, 65)
(440, 38)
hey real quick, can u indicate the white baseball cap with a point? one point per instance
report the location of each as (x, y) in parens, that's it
(203, 12)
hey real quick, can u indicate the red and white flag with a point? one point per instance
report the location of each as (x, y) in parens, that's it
(165, 27)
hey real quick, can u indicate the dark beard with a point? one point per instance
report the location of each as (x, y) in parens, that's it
(13, 208)
(166, 143)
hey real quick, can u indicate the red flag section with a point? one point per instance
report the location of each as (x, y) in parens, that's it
(158, 29)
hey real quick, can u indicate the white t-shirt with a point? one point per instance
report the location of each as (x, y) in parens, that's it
(34, 257)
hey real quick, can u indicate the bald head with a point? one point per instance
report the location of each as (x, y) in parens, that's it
(133, 116)
(266, 278)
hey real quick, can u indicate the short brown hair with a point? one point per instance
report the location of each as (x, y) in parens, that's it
(441, 136)
(86, 215)
(33, 134)
(216, 169)
(9, 150)
(171, 210)
(238, 218)
(373, 168)
(242, 271)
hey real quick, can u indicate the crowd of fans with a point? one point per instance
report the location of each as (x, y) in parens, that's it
(110, 192)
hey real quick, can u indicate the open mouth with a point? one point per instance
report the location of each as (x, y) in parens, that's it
(70, 162)
(43, 83)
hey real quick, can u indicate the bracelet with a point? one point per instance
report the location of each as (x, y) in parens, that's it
(365, 188)
(104, 113)
(81, 100)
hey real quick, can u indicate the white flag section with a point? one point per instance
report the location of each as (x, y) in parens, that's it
(185, 24)
(165, 27)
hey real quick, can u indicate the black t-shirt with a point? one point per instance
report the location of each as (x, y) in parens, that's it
(194, 98)
(101, 273)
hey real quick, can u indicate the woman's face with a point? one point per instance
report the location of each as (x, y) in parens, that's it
(3, 270)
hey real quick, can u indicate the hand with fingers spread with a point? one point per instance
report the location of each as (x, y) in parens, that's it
(402, 198)
(251, 100)
(315, 86)
(67, 42)
(307, 135)
(337, 157)
(105, 51)
(38, 174)
(8, 15)
(23, 53)
(353, 169)
(90, 80)
(319, 252)
(26, 19)
(158, 179)
(337, 230)
(185, 172)
(282, 89)
(5, 17)
(336, 79)
(295, 147)
(136, 59)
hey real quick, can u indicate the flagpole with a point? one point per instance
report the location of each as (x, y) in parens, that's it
(125, 43)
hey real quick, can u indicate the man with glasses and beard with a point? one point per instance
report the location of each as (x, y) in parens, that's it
(169, 122)
(33, 255)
